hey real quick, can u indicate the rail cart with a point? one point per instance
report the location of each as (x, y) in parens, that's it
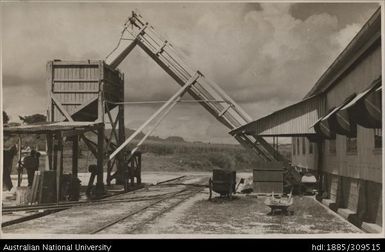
(223, 182)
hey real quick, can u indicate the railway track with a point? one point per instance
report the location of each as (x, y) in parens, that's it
(172, 180)
(38, 211)
(132, 221)
(63, 206)
(105, 200)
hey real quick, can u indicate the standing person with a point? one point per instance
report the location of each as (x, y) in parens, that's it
(31, 164)
(8, 155)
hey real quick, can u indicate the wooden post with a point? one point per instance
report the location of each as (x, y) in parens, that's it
(75, 155)
(139, 170)
(49, 150)
(59, 170)
(109, 170)
(55, 150)
(100, 158)
(50, 112)
(101, 103)
(277, 148)
(20, 171)
(132, 172)
(321, 186)
(121, 137)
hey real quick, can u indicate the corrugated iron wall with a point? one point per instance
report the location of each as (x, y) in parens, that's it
(366, 163)
(304, 160)
(74, 85)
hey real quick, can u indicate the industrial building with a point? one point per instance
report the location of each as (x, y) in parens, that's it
(336, 130)
(336, 133)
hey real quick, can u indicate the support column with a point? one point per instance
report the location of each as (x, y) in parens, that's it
(121, 137)
(99, 163)
(59, 170)
(20, 169)
(109, 170)
(48, 165)
(139, 169)
(55, 165)
(75, 156)
(320, 174)
(55, 150)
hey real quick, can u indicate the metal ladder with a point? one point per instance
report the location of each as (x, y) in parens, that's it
(228, 112)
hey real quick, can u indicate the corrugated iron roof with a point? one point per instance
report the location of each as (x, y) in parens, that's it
(293, 120)
(369, 34)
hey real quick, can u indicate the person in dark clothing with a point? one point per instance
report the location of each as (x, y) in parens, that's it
(31, 164)
(8, 155)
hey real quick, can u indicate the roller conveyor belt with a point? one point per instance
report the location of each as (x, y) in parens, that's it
(142, 34)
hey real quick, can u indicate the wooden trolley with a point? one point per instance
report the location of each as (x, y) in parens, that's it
(281, 204)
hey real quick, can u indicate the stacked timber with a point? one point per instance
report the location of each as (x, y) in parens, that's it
(22, 195)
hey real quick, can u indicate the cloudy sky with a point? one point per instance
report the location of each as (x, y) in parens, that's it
(265, 56)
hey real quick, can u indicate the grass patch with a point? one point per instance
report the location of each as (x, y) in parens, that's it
(171, 154)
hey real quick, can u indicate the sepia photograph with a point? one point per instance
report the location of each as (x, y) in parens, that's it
(187, 119)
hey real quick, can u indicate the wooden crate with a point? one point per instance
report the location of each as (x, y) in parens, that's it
(47, 188)
(268, 187)
(267, 175)
(79, 88)
(268, 179)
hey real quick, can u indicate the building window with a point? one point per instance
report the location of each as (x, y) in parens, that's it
(378, 138)
(298, 146)
(310, 147)
(332, 146)
(351, 144)
(303, 146)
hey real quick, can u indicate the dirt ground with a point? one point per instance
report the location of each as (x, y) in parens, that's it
(244, 214)
(248, 215)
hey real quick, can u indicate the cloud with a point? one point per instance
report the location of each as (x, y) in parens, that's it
(14, 80)
(268, 61)
(265, 56)
(24, 100)
(343, 11)
(344, 36)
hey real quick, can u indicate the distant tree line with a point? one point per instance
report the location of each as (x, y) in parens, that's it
(5, 117)
(28, 119)
(32, 119)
